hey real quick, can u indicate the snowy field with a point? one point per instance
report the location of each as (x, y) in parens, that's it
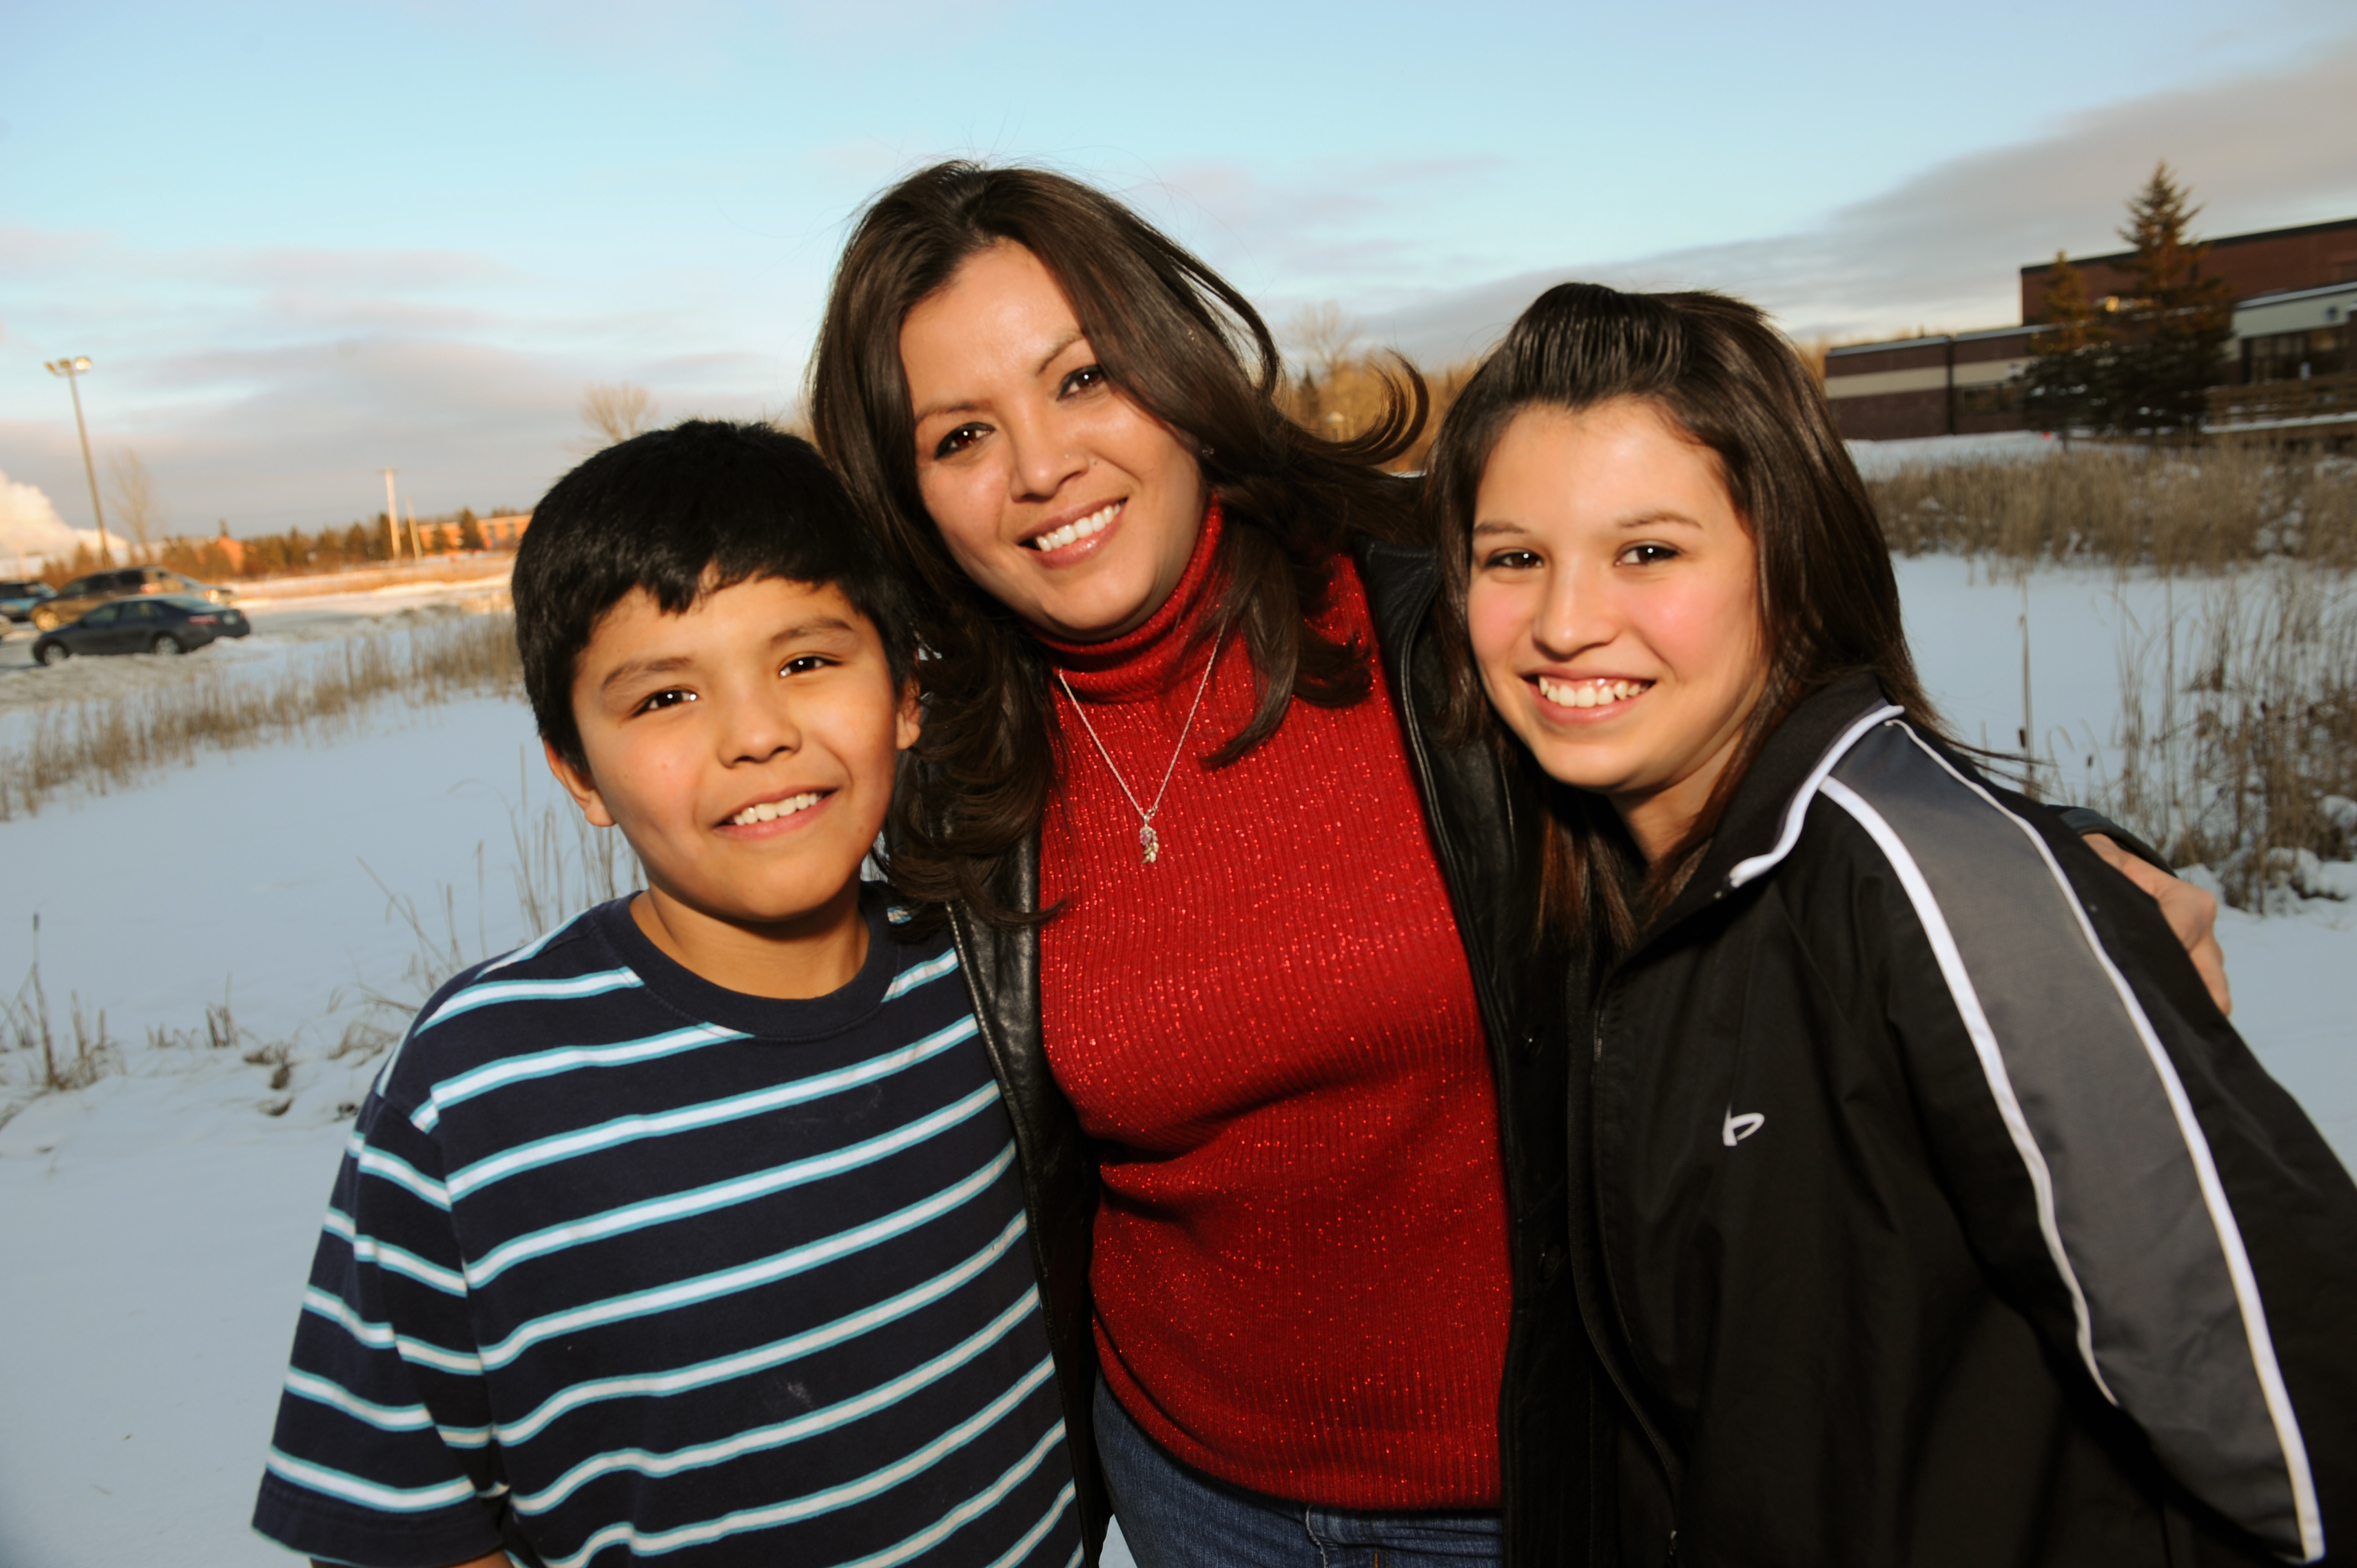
(157, 1224)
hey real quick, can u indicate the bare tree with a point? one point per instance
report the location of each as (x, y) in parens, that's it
(1325, 336)
(135, 494)
(615, 412)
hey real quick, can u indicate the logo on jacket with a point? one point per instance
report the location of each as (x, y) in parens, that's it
(1738, 1128)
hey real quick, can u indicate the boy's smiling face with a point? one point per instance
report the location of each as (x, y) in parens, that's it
(747, 750)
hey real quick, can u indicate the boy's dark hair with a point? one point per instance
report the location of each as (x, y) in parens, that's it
(679, 512)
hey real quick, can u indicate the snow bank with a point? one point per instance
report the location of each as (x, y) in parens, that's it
(1878, 457)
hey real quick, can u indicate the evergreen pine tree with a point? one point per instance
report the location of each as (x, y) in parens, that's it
(2067, 384)
(2175, 327)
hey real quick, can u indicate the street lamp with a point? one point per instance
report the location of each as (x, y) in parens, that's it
(70, 368)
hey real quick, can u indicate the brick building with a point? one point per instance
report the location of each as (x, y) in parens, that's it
(2295, 289)
(504, 533)
(1962, 383)
(2274, 261)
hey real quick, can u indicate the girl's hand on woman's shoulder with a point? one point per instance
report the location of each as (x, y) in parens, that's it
(2191, 913)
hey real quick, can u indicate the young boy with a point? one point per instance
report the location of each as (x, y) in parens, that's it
(694, 1228)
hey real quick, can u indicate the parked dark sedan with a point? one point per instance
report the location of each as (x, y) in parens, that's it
(157, 623)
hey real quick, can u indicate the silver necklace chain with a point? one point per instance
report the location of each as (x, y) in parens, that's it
(1148, 839)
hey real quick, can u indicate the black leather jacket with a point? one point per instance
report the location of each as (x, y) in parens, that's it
(1483, 810)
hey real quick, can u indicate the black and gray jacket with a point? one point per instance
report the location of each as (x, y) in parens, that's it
(1484, 815)
(1938, 1217)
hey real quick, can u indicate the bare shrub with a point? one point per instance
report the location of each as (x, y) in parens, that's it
(613, 411)
(135, 501)
(1325, 336)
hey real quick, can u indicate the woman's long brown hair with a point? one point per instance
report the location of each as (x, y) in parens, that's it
(1828, 599)
(1183, 345)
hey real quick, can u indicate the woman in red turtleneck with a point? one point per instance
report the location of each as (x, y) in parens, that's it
(1249, 983)
(1301, 1280)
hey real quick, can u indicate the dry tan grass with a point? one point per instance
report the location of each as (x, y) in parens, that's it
(2177, 509)
(491, 570)
(119, 741)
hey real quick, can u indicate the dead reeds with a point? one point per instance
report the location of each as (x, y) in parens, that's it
(2175, 510)
(115, 742)
(25, 1030)
(2243, 755)
(562, 866)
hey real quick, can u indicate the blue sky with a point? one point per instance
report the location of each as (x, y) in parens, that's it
(304, 243)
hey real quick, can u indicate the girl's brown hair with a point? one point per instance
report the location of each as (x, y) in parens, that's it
(1829, 600)
(1184, 346)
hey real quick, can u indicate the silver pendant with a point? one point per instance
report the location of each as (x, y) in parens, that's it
(1149, 842)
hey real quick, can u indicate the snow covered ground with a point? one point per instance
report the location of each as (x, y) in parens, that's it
(157, 1224)
(1878, 458)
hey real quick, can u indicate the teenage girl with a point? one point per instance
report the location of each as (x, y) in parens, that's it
(1926, 1208)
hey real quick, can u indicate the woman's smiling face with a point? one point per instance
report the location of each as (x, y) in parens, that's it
(1614, 608)
(1062, 498)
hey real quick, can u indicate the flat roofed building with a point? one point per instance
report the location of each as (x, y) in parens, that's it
(2296, 288)
(2296, 335)
(2292, 379)
(1960, 383)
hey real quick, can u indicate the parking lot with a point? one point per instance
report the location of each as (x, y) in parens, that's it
(281, 621)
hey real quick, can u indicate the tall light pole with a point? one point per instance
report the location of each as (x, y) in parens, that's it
(70, 368)
(391, 514)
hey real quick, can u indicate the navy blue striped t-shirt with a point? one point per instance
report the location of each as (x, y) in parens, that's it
(622, 1264)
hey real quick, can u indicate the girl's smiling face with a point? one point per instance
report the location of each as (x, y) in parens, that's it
(1614, 608)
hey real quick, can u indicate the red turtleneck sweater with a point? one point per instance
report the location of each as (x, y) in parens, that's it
(1300, 1259)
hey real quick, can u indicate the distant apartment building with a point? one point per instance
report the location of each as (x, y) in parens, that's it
(2293, 287)
(1961, 383)
(498, 533)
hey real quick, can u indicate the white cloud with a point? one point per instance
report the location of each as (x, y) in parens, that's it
(30, 528)
(1944, 248)
(266, 387)
(1333, 227)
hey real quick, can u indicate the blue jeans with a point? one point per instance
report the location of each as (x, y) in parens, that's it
(1174, 1517)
